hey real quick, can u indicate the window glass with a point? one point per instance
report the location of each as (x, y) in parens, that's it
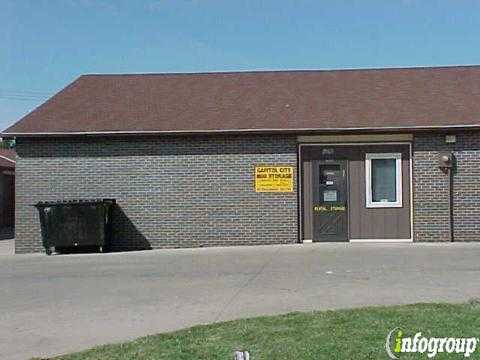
(328, 173)
(384, 177)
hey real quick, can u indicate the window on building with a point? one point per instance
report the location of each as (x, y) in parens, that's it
(383, 179)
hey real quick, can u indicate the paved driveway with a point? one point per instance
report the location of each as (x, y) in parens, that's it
(52, 305)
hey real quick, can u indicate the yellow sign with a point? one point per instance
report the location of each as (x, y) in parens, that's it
(273, 178)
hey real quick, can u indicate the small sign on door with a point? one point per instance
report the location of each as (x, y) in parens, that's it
(329, 195)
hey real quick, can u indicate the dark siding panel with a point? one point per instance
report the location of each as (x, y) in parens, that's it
(378, 223)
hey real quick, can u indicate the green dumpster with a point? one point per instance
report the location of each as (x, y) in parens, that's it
(76, 224)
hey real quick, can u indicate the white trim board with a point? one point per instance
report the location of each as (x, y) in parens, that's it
(360, 241)
(354, 138)
(370, 204)
(240, 131)
(381, 241)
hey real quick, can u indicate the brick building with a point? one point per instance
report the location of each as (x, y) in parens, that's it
(7, 192)
(260, 157)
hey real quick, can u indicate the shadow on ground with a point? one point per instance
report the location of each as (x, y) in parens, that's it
(125, 237)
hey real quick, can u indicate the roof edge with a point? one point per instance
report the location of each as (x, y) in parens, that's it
(236, 131)
(311, 70)
(45, 102)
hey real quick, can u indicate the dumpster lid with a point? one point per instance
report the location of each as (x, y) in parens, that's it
(75, 202)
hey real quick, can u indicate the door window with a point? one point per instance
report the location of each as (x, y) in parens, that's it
(328, 173)
(330, 179)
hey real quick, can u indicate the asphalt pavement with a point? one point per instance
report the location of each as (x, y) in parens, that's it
(57, 304)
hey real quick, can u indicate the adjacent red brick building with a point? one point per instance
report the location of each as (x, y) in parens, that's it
(7, 191)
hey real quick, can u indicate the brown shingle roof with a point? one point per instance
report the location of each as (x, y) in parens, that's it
(7, 158)
(262, 101)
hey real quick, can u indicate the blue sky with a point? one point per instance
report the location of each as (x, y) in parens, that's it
(46, 44)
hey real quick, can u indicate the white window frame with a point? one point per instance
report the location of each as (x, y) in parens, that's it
(368, 180)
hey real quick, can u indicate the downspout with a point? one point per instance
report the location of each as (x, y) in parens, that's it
(447, 165)
(450, 206)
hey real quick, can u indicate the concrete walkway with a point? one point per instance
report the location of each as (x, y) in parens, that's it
(7, 247)
(58, 304)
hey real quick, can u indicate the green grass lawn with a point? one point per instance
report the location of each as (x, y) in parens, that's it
(346, 334)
